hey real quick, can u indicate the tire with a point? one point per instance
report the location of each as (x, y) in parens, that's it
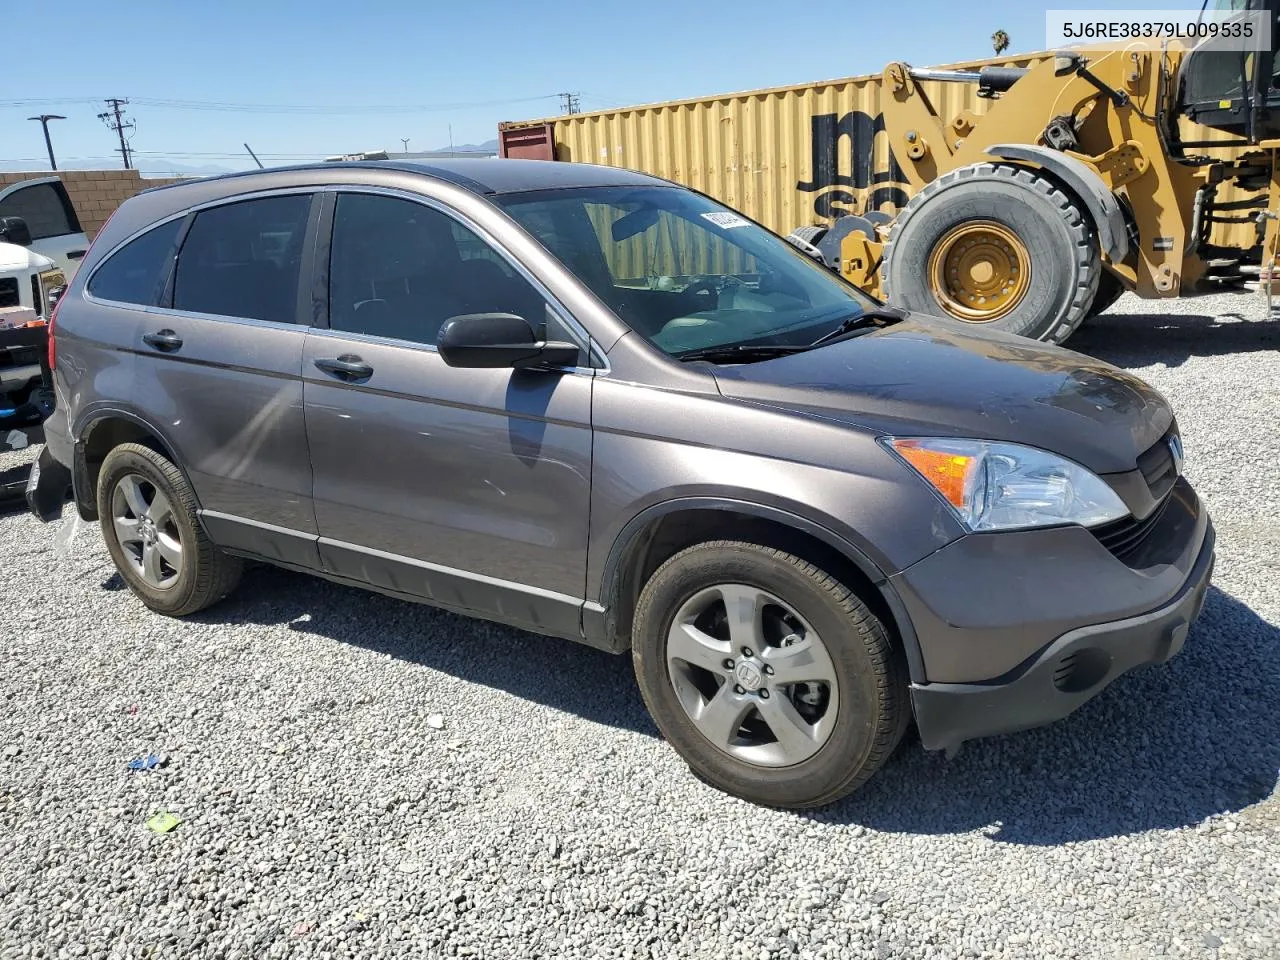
(865, 714)
(810, 234)
(807, 239)
(1057, 239)
(1109, 291)
(203, 574)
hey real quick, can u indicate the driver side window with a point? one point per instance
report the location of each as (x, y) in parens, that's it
(400, 269)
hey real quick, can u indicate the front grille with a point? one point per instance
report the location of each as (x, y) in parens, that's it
(9, 292)
(1125, 537)
(1158, 467)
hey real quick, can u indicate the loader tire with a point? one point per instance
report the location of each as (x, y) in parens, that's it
(810, 234)
(998, 246)
(1109, 291)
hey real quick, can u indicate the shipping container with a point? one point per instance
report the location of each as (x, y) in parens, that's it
(786, 156)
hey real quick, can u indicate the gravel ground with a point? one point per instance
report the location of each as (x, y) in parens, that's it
(362, 777)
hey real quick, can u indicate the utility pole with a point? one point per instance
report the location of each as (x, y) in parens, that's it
(405, 141)
(114, 120)
(44, 119)
(569, 102)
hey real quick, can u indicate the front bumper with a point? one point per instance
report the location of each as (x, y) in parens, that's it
(1071, 670)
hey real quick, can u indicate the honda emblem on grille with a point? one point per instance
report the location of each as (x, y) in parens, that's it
(1175, 447)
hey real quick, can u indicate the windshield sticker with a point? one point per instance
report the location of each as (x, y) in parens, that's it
(726, 220)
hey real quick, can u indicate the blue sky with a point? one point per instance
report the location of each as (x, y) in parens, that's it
(478, 62)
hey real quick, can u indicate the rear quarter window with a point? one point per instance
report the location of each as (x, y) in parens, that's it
(133, 273)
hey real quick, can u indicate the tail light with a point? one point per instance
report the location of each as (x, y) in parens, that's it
(53, 346)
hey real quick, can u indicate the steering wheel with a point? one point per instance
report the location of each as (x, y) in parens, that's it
(703, 285)
(713, 285)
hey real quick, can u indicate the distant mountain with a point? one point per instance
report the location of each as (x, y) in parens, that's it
(489, 146)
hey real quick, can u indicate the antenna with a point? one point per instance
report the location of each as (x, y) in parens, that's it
(254, 155)
(113, 117)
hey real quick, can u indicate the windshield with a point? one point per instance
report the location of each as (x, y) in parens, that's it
(684, 272)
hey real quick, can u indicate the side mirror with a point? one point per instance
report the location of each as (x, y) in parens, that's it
(1067, 63)
(15, 230)
(499, 340)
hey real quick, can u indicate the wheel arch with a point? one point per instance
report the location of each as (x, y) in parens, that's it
(99, 433)
(1099, 203)
(664, 529)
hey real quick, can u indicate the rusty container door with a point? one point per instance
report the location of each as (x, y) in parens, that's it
(535, 142)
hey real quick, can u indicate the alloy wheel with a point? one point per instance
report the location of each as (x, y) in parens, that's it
(147, 530)
(753, 676)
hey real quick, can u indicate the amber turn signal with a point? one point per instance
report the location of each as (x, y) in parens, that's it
(951, 473)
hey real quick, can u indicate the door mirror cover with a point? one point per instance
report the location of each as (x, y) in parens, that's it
(15, 230)
(489, 340)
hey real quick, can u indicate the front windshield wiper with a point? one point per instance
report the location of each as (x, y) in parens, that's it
(739, 352)
(876, 316)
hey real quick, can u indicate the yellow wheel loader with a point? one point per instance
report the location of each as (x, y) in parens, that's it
(1093, 173)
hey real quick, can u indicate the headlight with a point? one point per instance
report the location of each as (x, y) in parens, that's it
(1004, 486)
(54, 285)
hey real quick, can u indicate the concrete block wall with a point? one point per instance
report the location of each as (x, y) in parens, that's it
(94, 193)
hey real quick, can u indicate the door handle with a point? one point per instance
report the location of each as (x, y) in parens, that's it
(76, 254)
(347, 367)
(165, 340)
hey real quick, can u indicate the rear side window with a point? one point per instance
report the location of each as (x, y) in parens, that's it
(133, 273)
(244, 259)
(46, 209)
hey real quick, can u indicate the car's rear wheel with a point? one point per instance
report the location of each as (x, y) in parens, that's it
(772, 679)
(150, 525)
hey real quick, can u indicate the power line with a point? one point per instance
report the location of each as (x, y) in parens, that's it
(113, 117)
(164, 154)
(43, 100)
(570, 102)
(163, 103)
(605, 102)
(327, 109)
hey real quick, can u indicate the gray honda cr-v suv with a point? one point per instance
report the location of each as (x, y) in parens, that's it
(598, 405)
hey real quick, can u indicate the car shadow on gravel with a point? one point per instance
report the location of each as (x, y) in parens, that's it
(1141, 339)
(1160, 748)
(1163, 747)
(568, 676)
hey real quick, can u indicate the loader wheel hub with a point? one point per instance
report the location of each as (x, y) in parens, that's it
(979, 271)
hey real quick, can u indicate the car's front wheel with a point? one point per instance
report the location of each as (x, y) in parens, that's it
(771, 678)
